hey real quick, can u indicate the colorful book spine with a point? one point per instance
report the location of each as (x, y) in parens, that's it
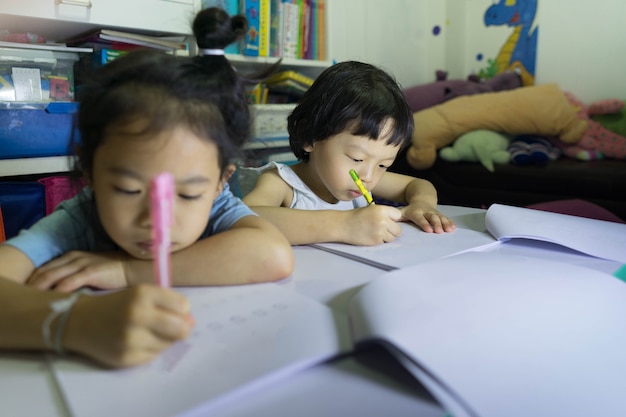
(276, 28)
(321, 30)
(264, 27)
(291, 23)
(250, 9)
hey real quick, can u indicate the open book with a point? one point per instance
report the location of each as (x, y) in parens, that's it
(495, 335)
(244, 337)
(598, 238)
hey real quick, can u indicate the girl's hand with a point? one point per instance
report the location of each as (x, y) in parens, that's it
(372, 225)
(127, 327)
(427, 218)
(76, 269)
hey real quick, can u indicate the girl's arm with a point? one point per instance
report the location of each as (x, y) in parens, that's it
(251, 251)
(15, 265)
(420, 197)
(118, 329)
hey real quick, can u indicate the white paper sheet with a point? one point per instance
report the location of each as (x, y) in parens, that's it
(412, 247)
(244, 336)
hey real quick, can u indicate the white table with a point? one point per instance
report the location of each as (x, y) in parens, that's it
(366, 383)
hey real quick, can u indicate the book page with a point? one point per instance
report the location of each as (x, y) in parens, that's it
(245, 336)
(599, 238)
(412, 247)
(504, 335)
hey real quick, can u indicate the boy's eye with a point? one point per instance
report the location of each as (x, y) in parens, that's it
(126, 190)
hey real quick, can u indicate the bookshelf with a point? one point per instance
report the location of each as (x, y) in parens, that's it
(62, 19)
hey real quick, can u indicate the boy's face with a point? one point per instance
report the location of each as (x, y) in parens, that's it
(333, 158)
(123, 167)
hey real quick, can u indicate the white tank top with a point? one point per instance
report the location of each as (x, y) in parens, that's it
(303, 197)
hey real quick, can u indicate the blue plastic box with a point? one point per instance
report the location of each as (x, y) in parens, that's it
(36, 129)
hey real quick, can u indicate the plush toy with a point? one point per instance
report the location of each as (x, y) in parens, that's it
(541, 110)
(484, 146)
(422, 96)
(597, 141)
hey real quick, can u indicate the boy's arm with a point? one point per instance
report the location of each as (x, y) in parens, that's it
(303, 227)
(271, 196)
(420, 197)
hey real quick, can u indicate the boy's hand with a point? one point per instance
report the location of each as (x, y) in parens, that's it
(427, 218)
(372, 225)
(76, 269)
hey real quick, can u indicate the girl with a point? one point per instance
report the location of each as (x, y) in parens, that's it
(146, 113)
(354, 116)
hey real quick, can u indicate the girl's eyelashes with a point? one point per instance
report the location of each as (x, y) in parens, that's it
(125, 190)
(189, 197)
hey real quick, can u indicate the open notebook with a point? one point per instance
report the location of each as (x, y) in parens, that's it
(245, 336)
(495, 335)
(599, 238)
(602, 239)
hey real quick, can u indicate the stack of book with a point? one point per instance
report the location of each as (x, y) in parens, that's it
(109, 44)
(289, 82)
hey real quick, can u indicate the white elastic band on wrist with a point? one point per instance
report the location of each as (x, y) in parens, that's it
(211, 52)
(59, 308)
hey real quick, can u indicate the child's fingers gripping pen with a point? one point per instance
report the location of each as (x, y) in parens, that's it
(362, 189)
(161, 209)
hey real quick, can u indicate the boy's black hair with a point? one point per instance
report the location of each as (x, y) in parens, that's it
(349, 96)
(159, 91)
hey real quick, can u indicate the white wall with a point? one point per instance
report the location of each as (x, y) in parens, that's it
(582, 47)
(581, 43)
(392, 34)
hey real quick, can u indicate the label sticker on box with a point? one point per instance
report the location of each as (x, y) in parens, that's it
(27, 84)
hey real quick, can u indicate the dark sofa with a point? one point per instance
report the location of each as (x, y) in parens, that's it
(469, 184)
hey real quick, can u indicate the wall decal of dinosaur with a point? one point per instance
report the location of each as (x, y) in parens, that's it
(519, 52)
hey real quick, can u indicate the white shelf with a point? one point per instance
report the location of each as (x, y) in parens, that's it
(27, 166)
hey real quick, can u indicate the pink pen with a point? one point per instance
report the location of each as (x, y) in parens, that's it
(161, 208)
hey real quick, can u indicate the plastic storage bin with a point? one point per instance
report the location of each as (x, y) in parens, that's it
(36, 75)
(36, 129)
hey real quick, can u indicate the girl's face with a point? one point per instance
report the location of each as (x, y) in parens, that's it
(123, 167)
(331, 160)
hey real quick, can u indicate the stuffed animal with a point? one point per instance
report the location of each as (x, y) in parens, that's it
(540, 109)
(422, 96)
(484, 146)
(597, 141)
